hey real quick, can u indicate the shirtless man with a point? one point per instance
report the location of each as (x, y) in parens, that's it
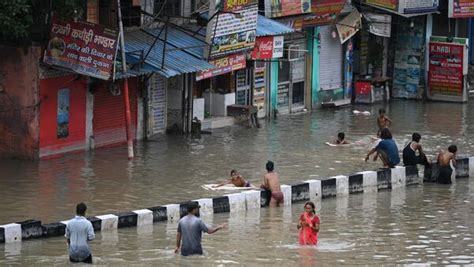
(235, 179)
(444, 159)
(341, 139)
(409, 152)
(272, 182)
(383, 121)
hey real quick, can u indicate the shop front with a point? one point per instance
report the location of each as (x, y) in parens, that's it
(62, 112)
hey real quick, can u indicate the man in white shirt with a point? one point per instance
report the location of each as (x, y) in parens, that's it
(78, 232)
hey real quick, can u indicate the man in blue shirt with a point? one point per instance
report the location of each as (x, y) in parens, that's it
(190, 229)
(78, 232)
(387, 150)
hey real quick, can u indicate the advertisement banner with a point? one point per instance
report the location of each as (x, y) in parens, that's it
(323, 12)
(268, 47)
(461, 8)
(283, 8)
(223, 65)
(418, 6)
(349, 26)
(230, 33)
(259, 91)
(406, 6)
(380, 25)
(445, 75)
(82, 47)
(388, 4)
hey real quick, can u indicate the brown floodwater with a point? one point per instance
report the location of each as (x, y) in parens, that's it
(383, 228)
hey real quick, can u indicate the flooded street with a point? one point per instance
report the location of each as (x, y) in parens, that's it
(421, 224)
(429, 223)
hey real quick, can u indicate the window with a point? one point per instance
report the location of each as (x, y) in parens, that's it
(168, 7)
(63, 114)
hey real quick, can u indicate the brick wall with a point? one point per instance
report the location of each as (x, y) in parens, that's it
(19, 103)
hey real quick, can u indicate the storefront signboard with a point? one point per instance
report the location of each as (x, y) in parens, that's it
(349, 26)
(259, 90)
(283, 94)
(234, 32)
(283, 8)
(85, 48)
(379, 24)
(461, 8)
(447, 64)
(268, 47)
(223, 65)
(323, 12)
(406, 6)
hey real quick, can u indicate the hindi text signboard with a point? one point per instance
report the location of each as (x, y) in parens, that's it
(232, 28)
(461, 8)
(223, 65)
(446, 68)
(82, 47)
(283, 8)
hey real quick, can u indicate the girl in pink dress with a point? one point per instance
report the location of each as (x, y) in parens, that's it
(309, 225)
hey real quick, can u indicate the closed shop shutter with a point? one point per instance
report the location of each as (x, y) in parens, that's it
(158, 103)
(330, 60)
(109, 114)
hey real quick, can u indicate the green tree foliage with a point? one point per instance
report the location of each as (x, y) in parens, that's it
(15, 19)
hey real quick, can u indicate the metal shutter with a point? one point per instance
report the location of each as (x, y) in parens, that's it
(109, 114)
(158, 104)
(330, 60)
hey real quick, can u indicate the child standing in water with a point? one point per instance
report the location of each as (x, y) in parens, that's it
(308, 225)
(382, 121)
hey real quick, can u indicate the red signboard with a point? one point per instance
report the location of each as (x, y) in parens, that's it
(263, 48)
(223, 65)
(461, 8)
(82, 47)
(323, 12)
(445, 74)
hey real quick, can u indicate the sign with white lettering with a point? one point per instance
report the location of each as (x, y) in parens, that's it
(461, 9)
(233, 27)
(446, 68)
(82, 47)
(268, 47)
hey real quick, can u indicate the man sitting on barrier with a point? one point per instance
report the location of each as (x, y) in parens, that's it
(409, 152)
(444, 160)
(387, 150)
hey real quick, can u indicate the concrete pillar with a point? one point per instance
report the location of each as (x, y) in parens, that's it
(252, 199)
(144, 217)
(369, 181)
(315, 192)
(286, 190)
(398, 177)
(342, 185)
(172, 211)
(236, 202)
(11, 232)
(109, 222)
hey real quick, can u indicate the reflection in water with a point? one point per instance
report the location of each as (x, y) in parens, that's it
(424, 224)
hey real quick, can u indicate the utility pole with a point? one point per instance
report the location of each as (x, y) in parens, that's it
(126, 98)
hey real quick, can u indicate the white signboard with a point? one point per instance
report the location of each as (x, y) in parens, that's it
(278, 46)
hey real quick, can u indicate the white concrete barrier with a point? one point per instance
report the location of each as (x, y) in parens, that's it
(12, 232)
(398, 177)
(236, 202)
(286, 190)
(252, 199)
(172, 212)
(342, 185)
(471, 166)
(144, 217)
(315, 193)
(369, 180)
(207, 208)
(108, 222)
